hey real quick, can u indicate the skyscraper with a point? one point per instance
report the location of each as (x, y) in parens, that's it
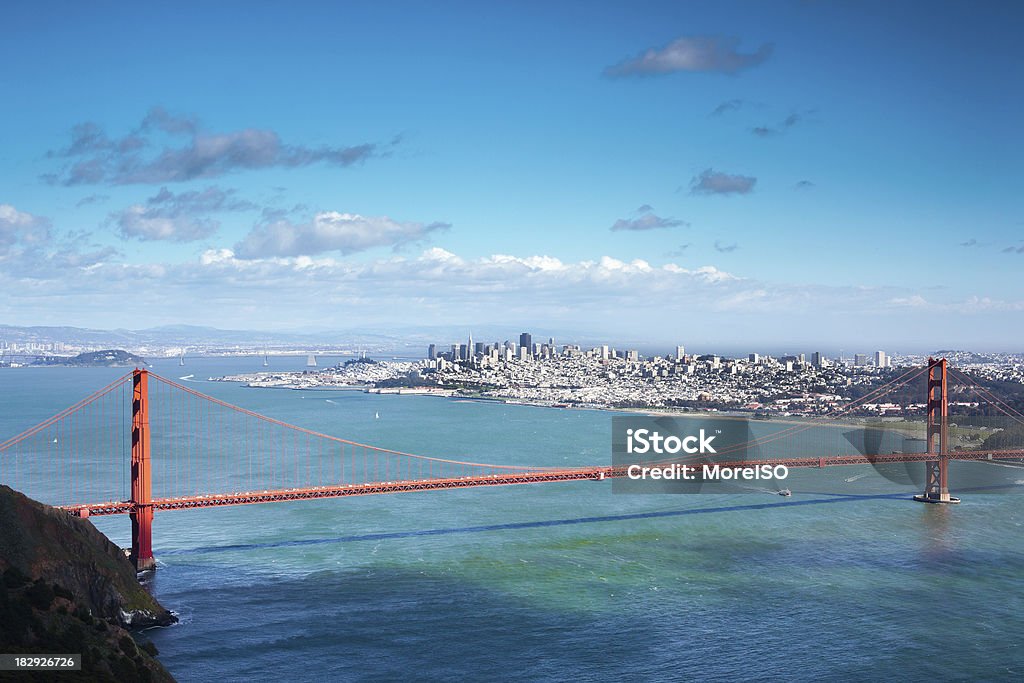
(526, 342)
(680, 352)
(880, 360)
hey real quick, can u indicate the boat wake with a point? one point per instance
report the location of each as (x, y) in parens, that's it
(1011, 465)
(760, 489)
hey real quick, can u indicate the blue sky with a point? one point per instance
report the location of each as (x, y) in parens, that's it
(788, 173)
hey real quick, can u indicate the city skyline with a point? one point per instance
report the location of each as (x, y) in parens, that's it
(488, 353)
(783, 176)
(174, 340)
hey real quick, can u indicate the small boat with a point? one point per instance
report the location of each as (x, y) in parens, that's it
(786, 493)
(376, 416)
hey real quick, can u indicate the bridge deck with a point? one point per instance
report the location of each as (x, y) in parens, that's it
(507, 479)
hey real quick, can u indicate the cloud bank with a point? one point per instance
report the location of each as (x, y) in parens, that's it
(71, 283)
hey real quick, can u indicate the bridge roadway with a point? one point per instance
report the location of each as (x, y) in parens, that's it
(595, 473)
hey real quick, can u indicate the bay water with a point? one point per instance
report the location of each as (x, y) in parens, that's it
(560, 581)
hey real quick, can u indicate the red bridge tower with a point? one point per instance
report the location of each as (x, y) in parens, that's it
(936, 488)
(142, 481)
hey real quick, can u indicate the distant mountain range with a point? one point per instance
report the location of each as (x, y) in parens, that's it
(398, 339)
(184, 336)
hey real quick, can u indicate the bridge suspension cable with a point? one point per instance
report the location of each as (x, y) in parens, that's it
(88, 400)
(984, 394)
(792, 431)
(329, 437)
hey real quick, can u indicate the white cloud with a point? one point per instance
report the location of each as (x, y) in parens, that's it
(30, 251)
(186, 152)
(141, 223)
(609, 295)
(915, 301)
(177, 217)
(439, 254)
(212, 256)
(331, 231)
(691, 53)
(21, 228)
(711, 181)
(11, 218)
(647, 221)
(969, 306)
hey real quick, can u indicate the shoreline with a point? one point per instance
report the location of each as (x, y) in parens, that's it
(909, 427)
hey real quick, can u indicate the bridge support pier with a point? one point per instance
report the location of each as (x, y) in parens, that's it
(142, 482)
(936, 488)
(142, 539)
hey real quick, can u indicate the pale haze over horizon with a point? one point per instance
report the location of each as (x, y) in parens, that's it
(787, 174)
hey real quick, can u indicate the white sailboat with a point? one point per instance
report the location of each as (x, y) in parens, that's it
(266, 359)
(311, 361)
(181, 358)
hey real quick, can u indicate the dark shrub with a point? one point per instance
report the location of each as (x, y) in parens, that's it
(40, 595)
(14, 578)
(127, 645)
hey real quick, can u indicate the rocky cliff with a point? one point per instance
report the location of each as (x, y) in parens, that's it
(66, 586)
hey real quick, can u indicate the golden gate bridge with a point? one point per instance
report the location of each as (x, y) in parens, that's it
(145, 443)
